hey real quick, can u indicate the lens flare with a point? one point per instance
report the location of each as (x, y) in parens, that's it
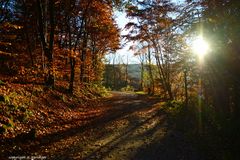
(200, 47)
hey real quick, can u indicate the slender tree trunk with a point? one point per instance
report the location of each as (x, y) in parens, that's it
(114, 72)
(47, 47)
(152, 88)
(51, 77)
(142, 72)
(126, 73)
(83, 58)
(72, 74)
(72, 58)
(29, 44)
(29, 47)
(166, 84)
(186, 88)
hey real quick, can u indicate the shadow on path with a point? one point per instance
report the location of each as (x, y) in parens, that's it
(134, 127)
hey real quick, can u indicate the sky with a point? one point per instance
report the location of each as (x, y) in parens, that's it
(123, 55)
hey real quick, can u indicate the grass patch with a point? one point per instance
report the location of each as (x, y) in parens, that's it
(141, 93)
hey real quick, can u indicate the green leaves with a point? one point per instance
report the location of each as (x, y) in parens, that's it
(8, 125)
(5, 99)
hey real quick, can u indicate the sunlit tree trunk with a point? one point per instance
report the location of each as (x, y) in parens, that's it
(150, 70)
(162, 73)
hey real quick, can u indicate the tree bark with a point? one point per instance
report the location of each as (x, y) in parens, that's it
(185, 87)
(47, 47)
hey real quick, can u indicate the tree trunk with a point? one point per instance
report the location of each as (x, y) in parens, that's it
(185, 88)
(166, 84)
(47, 48)
(83, 58)
(72, 74)
(142, 72)
(152, 85)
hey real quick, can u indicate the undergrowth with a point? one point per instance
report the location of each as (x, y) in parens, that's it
(211, 132)
(14, 107)
(128, 88)
(18, 102)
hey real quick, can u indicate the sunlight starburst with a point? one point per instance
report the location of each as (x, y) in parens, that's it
(200, 47)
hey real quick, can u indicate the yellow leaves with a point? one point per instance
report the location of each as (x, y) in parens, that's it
(5, 43)
(10, 26)
(5, 54)
(74, 54)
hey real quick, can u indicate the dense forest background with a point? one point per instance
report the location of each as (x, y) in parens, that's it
(61, 45)
(80, 33)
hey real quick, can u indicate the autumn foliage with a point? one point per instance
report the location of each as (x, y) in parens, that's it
(51, 51)
(45, 41)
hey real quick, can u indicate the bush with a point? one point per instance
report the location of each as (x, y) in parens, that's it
(91, 91)
(13, 109)
(99, 90)
(128, 88)
(7, 125)
(173, 105)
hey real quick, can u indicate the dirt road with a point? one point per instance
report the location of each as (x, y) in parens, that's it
(133, 127)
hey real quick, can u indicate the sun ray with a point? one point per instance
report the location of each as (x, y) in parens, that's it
(200, 47)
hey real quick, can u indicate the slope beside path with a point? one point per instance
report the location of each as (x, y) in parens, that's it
(131, 127)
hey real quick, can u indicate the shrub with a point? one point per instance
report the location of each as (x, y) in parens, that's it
(7, 126)
(128, 88)
(13, 108)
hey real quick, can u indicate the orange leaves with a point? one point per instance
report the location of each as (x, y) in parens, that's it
(22, 70)
(132, 10)
(104, 36)
(8, 25)
(72, 53)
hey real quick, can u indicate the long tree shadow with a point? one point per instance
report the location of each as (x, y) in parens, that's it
(104, 150)
(173, 146)
(118, 110)
(163, 141)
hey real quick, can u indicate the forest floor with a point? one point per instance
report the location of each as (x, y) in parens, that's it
(126, 126)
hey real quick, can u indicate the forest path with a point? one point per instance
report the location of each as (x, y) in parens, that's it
(133, 127)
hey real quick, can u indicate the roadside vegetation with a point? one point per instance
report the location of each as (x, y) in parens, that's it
(54, 75)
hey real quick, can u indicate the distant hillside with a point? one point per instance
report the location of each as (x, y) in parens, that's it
(134, 71)
(115, 76)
